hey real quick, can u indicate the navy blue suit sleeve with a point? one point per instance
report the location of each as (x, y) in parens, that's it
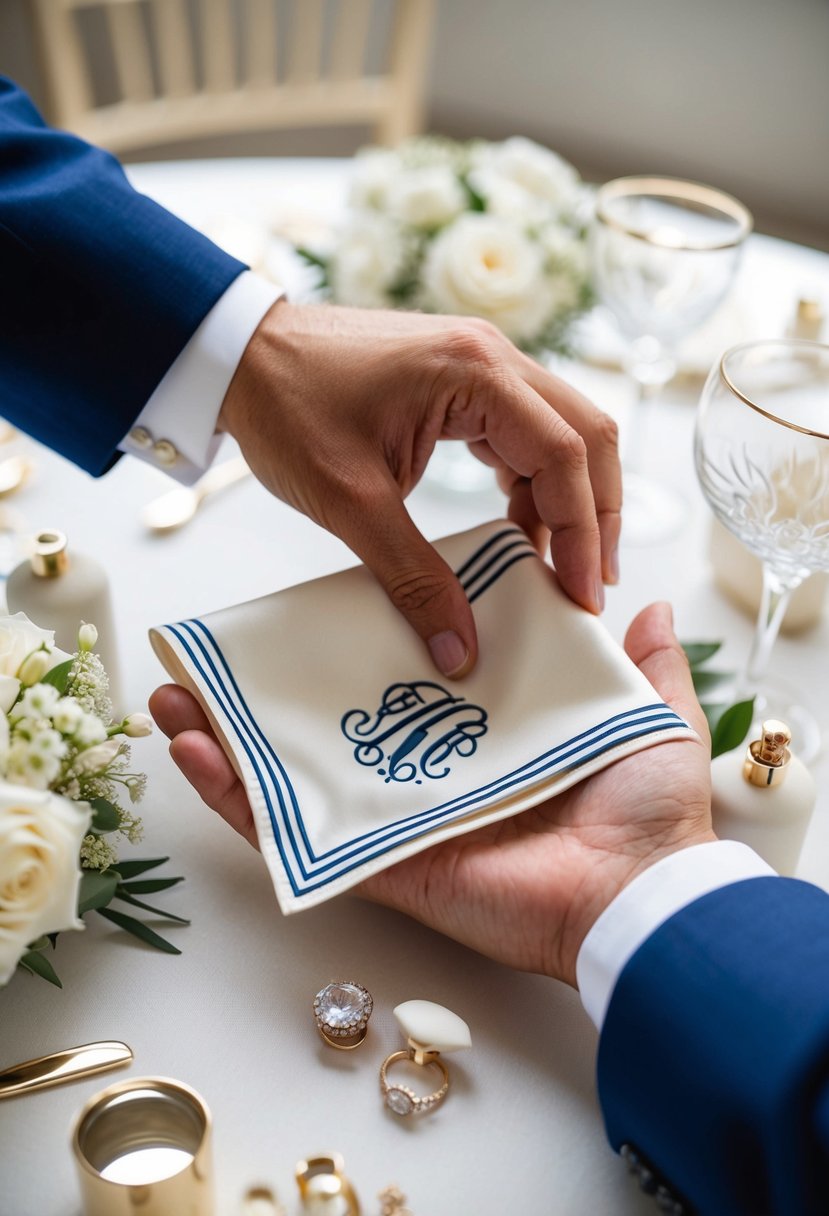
(714, 1056)
(100, 288)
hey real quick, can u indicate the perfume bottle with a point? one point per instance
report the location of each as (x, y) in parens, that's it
(766, 799)
(58, 588)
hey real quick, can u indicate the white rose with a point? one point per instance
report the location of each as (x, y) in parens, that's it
(426, 197)
(374, 172)
(96, 759)
(537, 170)
(485, 266)
(369, 256)
(40, 839)
(507, 199)
(18, 638)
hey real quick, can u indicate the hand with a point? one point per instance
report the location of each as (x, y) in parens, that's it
(337, 411)
(525, 891)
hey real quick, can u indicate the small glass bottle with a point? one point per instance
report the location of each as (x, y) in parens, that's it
(766, 801)
(58, 589)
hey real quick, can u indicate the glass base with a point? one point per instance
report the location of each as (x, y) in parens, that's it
(651, 512)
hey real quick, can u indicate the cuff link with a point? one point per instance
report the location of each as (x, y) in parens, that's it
(162, 451)
(323, 1186)
(430, 1029)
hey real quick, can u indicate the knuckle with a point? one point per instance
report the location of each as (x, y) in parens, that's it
(568, 446)
(607, 431)
(469, 346)
(416, 590)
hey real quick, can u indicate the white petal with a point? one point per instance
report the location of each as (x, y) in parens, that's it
(433, 1027)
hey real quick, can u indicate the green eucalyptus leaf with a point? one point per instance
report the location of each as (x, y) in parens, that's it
(138, 903)
(313, 259)
(37, 964)
(700, 652)
(148, 885)
(713, 713)
(97, 889)
(59, 676)
(707, 681)
(732, 728)
(131, 869)
(106, 817)
(138, 929)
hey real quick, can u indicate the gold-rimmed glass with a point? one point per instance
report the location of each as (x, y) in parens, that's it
(664, 253)
(762, 458)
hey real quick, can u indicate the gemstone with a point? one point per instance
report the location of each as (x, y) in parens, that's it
(399, 1101)
(343, 1007)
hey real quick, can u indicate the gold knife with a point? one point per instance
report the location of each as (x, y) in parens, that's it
(69, 1065)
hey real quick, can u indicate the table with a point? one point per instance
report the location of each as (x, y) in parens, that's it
(231, 1016)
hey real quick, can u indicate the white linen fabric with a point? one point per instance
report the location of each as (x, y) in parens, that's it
(355, 754)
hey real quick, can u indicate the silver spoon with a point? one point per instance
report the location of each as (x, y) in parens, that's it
(177, 507)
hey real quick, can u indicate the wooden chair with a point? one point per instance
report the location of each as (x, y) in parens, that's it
(180, 78)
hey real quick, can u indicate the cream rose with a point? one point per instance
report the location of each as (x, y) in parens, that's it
(40, 839)
(18, 638)
(485, 266)
(426, 197)
(374, 171)
(537, 170)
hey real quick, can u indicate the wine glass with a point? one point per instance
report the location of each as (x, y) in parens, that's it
(664, 254)
(762, 457)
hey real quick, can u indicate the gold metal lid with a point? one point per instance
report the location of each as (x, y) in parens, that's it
(767, 759)
(50, 558)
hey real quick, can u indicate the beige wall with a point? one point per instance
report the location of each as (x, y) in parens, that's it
(733, 92)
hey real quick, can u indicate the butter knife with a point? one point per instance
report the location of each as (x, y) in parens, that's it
(69, 1065)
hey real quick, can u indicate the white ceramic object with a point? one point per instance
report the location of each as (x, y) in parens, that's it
(432, 1027)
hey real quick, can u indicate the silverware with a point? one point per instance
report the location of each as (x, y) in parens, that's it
(69, 1065)
(177, 507)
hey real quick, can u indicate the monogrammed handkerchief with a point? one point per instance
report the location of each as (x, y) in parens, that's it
(355, 753)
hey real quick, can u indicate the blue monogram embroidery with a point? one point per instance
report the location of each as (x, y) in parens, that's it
(414, 732)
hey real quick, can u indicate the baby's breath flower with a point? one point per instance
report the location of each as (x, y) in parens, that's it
(136, 786)
(39, 701)
(48, 742)
(28, 766)
(131, 826)
(97, 853)
(89, 684)
(68, 715)
(89, 730)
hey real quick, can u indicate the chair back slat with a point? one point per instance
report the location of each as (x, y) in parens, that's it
(306, 42)
(348, 48)
(218, 46)
(71, 92)
(259, 42)
(410, 42)
(130, 51)
(175, 47)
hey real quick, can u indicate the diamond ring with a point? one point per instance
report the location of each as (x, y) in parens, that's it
(342, 1011)
(400, 1098)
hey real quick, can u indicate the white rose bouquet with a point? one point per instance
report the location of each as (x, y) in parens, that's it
(63, 765)
(492, 230)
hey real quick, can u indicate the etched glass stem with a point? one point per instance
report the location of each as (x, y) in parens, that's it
(773, 605)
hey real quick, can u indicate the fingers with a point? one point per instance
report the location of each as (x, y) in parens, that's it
(653, 646)
(197, 753)
(417, 581)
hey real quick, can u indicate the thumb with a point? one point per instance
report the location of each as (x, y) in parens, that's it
(653, 646)
(420, 584)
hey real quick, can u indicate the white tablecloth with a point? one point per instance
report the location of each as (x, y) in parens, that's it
(521, 1130)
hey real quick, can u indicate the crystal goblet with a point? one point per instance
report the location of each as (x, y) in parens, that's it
(762, 458)
(664, 254)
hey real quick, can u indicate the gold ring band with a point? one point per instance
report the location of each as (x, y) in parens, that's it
(402, 1100)
(322, 1178)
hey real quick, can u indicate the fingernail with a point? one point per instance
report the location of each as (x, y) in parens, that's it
(600, 595)
(449, 652)
(614, 565)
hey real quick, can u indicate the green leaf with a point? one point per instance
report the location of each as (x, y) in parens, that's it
(147, 886)
(131, 869)
(138, 903)
(97, 889)
(59, 676)
(138, 929)
(37, 964)
(106, 816)
(706, 681)
(312, 258)
(732, 728)
(713, 713)
(700, 652)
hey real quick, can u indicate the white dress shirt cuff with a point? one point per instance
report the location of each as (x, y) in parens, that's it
(646, 903)
(176, 430)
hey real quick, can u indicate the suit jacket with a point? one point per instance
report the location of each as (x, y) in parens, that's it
(100, 288)
(714, 1056)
